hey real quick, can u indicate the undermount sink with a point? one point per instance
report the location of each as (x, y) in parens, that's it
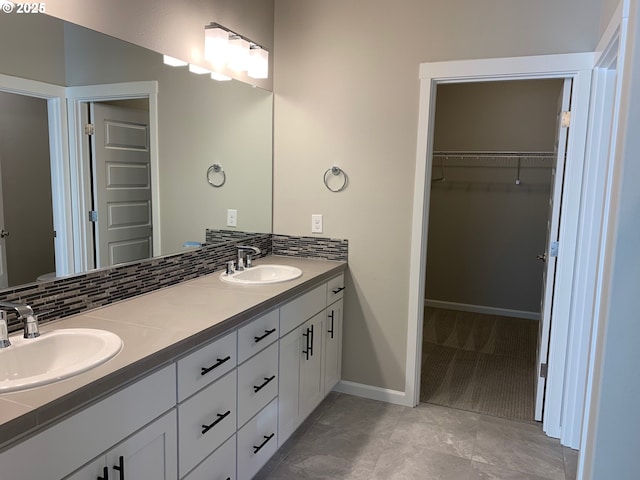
(262, 275)
(53, 356)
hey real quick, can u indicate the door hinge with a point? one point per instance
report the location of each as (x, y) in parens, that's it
(89, 129)
(553, 248)
(565, 119)
(543, 370)
(93, 216)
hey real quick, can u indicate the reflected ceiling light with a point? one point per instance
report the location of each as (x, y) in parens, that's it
(199, 70)
(224, 48)
(258, 62)
(219, 77)
(174, 62)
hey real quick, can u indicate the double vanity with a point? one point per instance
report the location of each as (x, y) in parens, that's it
(211, 377)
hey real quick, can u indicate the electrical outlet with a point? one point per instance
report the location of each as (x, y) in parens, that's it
(316, 223)
(232, 218)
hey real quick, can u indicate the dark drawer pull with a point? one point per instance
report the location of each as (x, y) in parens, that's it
(220, 361)
(266, 334)
(266, 381)
(221, 416)
(267, 438)
(331, 315)
(337, 290)
(105, 474)
(120, 467)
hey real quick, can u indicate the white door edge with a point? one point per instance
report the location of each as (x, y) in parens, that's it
(576, 66)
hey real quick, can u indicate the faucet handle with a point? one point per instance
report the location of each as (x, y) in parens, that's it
(230, 267)
(4, 330)
(31, 329)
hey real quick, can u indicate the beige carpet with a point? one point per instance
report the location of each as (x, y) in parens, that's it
(481, 363)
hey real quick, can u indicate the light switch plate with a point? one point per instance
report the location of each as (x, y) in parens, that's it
(232, 218)
(316, 223)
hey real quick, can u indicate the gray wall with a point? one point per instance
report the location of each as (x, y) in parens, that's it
(26, 187)
(347, 92)
(485, 231)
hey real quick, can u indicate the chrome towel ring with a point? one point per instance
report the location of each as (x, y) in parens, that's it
(336, 171)
(213, 171)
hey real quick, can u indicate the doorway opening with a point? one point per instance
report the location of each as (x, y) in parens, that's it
(494, 149)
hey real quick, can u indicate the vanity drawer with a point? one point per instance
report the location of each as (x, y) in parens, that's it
(221, 464)
(205, 421)
(257, 441)
(200, 368)
(257, 383)
(299, 310)
(258, 334)
(335, 289)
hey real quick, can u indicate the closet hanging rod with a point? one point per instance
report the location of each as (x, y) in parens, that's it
(488, 154)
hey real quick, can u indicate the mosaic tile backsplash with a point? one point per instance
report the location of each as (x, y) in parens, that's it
(79, 293)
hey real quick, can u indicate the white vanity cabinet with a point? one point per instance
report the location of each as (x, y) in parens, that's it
(310, 354)
(94, 436)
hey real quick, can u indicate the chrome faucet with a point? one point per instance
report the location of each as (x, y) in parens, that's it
(25, 313)
(245, 256)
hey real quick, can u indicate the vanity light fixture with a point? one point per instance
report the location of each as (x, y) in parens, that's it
(258, 62)
(224, 48)
(174, 62)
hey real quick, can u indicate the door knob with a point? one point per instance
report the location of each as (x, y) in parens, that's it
(542, 257)
(3, 233)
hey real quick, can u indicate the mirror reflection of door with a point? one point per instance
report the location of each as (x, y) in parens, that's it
(27, 246)
(121, 182)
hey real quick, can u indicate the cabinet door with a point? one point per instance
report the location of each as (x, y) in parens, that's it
(333, 346)
(311, 365)
(289, 384)
(150, 454)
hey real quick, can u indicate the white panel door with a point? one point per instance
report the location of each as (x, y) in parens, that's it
(549, 256)
(122, 184)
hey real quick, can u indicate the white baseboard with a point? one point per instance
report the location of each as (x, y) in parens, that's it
(482, 309)
(373, 393)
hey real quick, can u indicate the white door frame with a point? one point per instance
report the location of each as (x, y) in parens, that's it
(608, 83)
(579, 68)
(78, 159)
(58, 150)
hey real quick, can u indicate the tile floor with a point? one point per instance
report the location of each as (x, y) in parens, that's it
(354, 438)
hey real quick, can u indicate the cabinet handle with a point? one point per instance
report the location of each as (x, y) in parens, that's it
(105, 474)
(220, 361)
(267, 438)
(221, 416)
(266, 381)
(120, 467)
(308, 347)
(337, 290)
(311, 346)
(266, 334)
(331, 315)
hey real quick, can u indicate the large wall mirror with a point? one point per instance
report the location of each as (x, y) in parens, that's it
(176, 125)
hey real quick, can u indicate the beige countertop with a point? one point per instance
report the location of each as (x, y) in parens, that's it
(155, 328)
